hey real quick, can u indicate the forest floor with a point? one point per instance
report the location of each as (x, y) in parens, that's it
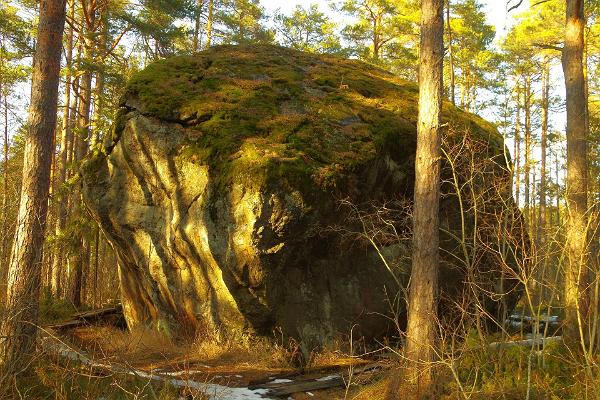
(102, 361)
(208, 370)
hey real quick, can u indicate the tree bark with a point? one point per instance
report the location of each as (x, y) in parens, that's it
(19, 326)
(421, 340)
(5, 227)
(541, 226)
(61, 165)
(517, 161)
(576, 268)
(209, 23)
(196, 45)
(527, 160)
(4, 237)
(450, 56)
(81, 257)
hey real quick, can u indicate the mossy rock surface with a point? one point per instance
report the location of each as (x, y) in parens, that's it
(221, 190)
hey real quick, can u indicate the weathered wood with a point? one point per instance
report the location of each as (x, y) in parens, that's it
(88, 317)
(542, 341)
(283, 389)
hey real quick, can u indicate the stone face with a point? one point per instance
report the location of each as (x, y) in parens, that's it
(238, 185)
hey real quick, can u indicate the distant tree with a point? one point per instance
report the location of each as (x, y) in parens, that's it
(307, 30)
(243, 22)
(19, 327)
(385, 32)
(471, 50)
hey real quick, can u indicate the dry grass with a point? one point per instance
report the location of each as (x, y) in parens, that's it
(373, 391)
(137, 347)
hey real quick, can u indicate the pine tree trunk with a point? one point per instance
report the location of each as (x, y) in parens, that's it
(450, 55)
(576, 268)
(421, 340)
(5, 228)
(196, 44)
(527, 160)
(18, 328)
(557, 165)
(541, 228)
(61, 164)
(81, 148)
(4, 234)
(209, 23)
(517, 161)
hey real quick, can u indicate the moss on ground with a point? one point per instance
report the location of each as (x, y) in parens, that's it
(274, 110)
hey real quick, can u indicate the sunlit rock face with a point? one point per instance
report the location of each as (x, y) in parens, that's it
(239, 185)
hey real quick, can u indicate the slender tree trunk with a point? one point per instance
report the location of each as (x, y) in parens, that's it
(209, 23)
(527, 161)
(5, 227)
(61, 165)
(81, 149)
(517, 162)
(450, 55)
(4, 235)
(576, 268)
(376, 41)
(541, 229)
(19, 326)
(421, 339)
(96, 264)
(196, 45)
(557, 164)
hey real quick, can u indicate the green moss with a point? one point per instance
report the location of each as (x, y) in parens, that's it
(311, 116)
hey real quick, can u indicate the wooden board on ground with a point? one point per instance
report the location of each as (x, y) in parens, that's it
(89, 317)
(283, 389)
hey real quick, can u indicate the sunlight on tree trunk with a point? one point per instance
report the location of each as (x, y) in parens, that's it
(421, 340)
(576, 268)
(19, 328)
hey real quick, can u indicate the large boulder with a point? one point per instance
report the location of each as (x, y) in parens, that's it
(251, 189)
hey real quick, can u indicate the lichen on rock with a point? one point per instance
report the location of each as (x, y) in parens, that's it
(220, 191)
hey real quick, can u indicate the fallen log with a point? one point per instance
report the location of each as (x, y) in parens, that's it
(285, 387)
(90, 317)
(536, 342)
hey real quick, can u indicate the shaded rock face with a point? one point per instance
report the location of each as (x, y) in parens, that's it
(220, 190)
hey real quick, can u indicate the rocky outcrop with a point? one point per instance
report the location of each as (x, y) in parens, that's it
(244, 189)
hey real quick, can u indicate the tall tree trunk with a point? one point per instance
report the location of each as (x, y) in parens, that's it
(19, 326)
(82, 145)
(4, 234)
(541, 226)
(527, 160)
(209, 23)
(5, 228)
(61, 164)
(576, 268)
(421, 339)
(450, 55)
(96, 264)
(517, 162)
(196, 45)
(558, 194)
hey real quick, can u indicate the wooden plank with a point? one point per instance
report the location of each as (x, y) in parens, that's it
(87, 317)
(285, 389)
(93, 314)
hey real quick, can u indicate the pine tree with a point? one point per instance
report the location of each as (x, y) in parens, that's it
(19, 327)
